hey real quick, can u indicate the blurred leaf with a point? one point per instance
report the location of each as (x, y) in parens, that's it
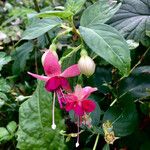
(4, 135)
(74, 5)
(20, 56)
(35, 123)
(95, 115)
(136, 86)
(7, 134)
(48, 14)
(106, 147)
(99, 12)
(38, 28)
(123, 117)
(132, 20)
(11, 127)
(109, 44)
(102, 78)
(4, 59)
(4, 87)
(132, 44)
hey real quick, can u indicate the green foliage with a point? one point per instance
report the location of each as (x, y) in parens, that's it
(109, 44)
(35, 123)
(74, 5)
(99, 12)
(4, 59)
(38, 28)
(132, 20)
(8, 133)
(20, 57)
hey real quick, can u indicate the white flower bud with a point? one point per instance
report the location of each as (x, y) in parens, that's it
(86, 65)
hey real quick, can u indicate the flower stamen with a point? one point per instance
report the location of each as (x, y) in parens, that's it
(53, 113)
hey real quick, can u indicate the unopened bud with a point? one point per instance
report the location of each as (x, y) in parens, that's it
(86, 64)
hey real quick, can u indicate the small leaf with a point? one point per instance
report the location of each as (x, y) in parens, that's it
(11, 127)
(109, 44)
(4, 59)
(4, 134)
(74, 5)
(35, 121)
(132, 20)
(38, 28)
(20, 57)
(99, 12)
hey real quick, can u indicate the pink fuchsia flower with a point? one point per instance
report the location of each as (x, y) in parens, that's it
(80, 104)
(55, 79)
(78, 101)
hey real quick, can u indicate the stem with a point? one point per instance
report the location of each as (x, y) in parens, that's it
(36, 6)
(61, 34)
(68, 55)
(96, 141)
(141, 59)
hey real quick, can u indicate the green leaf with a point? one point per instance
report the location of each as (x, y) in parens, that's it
(48, 14)
(38, 28)
(11, 127)
(109, 44)
(4, 59)
(132, 20)
(4, 135)
(35, 123)
(4, 87)
(20, 57)
(102, 78)
(123, 117)
(99, 12)
(136, 86)
(106, 147)
(74, 5)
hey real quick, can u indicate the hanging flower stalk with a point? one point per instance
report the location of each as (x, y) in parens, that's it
(56, 80)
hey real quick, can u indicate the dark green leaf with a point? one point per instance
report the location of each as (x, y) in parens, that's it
(136, 86)
(20, 57)
(102, 79)
(4, 59)
(74, 5)
(99, 12)
(123, 117)
(109, 44)
(35, 123)
(38, 28)
(132, 20)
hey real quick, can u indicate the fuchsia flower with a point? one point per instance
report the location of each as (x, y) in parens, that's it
(55, 79)
(78, 101)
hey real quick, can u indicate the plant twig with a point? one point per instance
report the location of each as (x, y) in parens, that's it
(96, 141)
